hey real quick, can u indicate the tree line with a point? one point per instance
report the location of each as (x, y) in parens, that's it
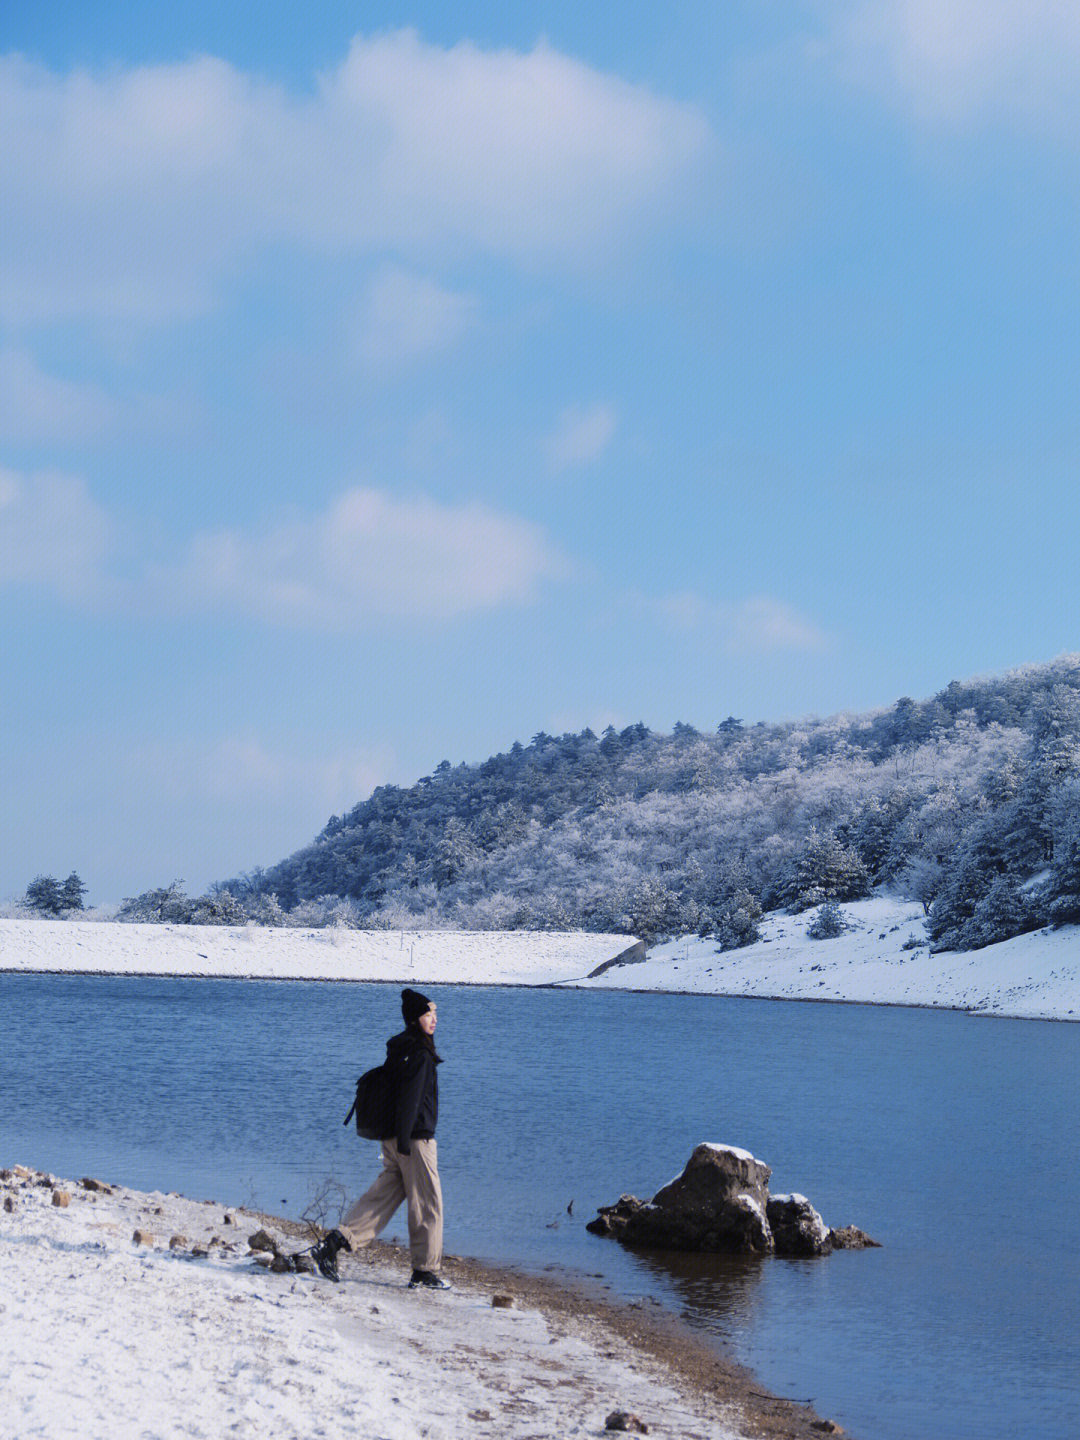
(968, 801)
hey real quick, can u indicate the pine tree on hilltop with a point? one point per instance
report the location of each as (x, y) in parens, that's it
(45, 894)
(72, 892)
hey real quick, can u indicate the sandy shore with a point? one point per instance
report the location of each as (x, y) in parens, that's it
(181, 1333)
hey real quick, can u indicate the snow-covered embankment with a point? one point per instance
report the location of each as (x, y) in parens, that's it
(251, 952)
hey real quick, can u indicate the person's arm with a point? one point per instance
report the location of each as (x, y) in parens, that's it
(409, 1095)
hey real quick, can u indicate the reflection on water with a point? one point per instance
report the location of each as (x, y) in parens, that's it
(717, 1293)
(924, 1128)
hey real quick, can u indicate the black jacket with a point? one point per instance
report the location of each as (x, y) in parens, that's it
(416, 1088)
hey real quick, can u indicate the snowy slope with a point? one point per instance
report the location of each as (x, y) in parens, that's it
(1035, 975)
(428, 957)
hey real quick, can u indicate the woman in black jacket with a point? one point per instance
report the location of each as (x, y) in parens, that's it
(410, 1163)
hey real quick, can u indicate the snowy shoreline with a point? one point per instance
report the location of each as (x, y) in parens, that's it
(129, 1314)
(882, 958)
(251, 952)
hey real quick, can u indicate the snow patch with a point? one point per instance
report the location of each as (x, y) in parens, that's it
(729, 1150)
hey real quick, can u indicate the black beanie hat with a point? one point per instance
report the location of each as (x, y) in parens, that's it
(413, 1005)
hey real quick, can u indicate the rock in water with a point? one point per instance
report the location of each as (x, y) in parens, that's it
(717, 1203)
(797, 1227)
(721, 1202)
(850, 1237)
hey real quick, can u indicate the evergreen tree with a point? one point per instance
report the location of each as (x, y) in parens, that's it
(72, 892)
(828, 923)
(45, 894)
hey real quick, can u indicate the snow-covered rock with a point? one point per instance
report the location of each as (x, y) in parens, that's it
(797, 1227)
(716, 1203)
(721, 1201)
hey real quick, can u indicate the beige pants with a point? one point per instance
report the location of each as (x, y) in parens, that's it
(415, 1178)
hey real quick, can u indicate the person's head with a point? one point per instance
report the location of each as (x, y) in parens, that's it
(418, 1011)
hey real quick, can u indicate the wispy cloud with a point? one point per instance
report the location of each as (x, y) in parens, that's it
(582, 434)
(407, 317)
(171, 174)
(964, 62)
(37, 407)
(52, 533)
(368, 558)
(759, 623)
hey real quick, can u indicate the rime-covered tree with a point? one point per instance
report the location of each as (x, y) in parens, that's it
(45, 894)
(953, 800)
(72, 892)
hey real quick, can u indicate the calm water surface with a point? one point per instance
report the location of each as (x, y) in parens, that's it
(953, 1140)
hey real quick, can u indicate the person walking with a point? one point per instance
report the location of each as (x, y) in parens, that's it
(410, 1163)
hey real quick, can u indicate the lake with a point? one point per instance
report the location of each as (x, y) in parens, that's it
(952, 1140)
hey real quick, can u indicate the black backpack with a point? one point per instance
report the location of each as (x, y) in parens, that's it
(374, 1104)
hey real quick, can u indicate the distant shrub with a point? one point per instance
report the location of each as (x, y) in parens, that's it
(170, 906)
(738, 924)
(829, 922)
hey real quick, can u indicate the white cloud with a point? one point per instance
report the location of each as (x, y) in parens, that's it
(52, 533)
(407, 317)
(133, 193)
(582, 434)
(963, 62)
(759, 623)
(369, 558)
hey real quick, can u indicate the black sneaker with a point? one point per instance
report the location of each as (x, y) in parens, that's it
(428, 1280)
(325, 1254)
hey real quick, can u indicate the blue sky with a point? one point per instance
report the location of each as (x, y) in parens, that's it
(383, 384)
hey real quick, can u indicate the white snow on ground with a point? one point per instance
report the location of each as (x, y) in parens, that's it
(1035, 975)
(100, 1336)
(427, 957)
